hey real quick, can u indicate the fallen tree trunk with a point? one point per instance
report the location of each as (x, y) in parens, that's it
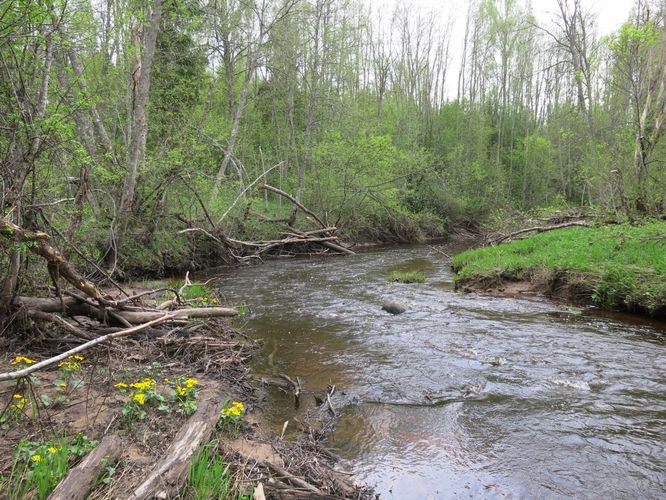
(81, 478)
(74, 307)
(170, 473)
(58, 264)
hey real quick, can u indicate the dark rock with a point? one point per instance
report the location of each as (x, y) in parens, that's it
(394, 307)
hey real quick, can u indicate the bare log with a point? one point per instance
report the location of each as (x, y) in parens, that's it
(75, 307)
(168, 476)
(137, 317)
(81, 478)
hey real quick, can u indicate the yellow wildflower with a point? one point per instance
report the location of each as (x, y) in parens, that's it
(77, 357)
(53, 450)
(20, 402)
(144, 385)
(181, 391)
(191, 382)
(69, 365)
(22, 359)
(235, 410)
(37, 458)
(120, 385)
(139, 397)
(61, 384)
(167, 381)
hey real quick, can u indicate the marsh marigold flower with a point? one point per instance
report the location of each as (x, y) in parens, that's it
(23, 360)
(20, 402)
(145, 385)
(139, 397)
(235, 410)
(191, 382)
(37, 458)
(120, 385)
(52, 450)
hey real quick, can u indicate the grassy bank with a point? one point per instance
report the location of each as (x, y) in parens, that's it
(616, 267)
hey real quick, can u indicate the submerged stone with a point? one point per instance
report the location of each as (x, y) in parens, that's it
(394, 307)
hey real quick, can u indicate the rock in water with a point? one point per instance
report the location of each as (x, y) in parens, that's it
(394, 307)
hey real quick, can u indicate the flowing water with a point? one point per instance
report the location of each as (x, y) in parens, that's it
(462, 395)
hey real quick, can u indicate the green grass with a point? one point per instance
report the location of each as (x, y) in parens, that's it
(407, 277)
(196, 291)
(210, 478)
(38, 467)
(622, 266)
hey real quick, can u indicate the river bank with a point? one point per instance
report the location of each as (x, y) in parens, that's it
(617, 267)
(138, 396)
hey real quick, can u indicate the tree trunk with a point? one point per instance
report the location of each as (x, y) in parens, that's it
(137, 143)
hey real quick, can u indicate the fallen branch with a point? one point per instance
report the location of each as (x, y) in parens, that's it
(295, 385)
(81, 478)
(329, 393)
(296, 481)
(293, 200)
(538, 229)
(61, 357)
(170, 473)
(43, 316)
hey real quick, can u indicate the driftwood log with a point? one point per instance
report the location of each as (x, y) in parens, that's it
(170, 473)
(81, 478)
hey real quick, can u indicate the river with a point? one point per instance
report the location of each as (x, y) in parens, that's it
(462, 396)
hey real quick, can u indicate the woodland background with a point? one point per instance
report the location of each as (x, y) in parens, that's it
(136, 132)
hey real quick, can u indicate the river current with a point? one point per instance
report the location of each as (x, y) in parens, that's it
(462, 396)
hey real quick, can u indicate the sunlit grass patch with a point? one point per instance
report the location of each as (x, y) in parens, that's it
(622, 266)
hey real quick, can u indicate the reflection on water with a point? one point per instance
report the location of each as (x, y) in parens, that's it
(462, 395)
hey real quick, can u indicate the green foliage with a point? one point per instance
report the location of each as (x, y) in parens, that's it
(231, 415)
(395, 161)
(39, 466)
(408, 277)
(621, 266)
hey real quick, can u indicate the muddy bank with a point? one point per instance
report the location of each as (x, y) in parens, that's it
(558, 286)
